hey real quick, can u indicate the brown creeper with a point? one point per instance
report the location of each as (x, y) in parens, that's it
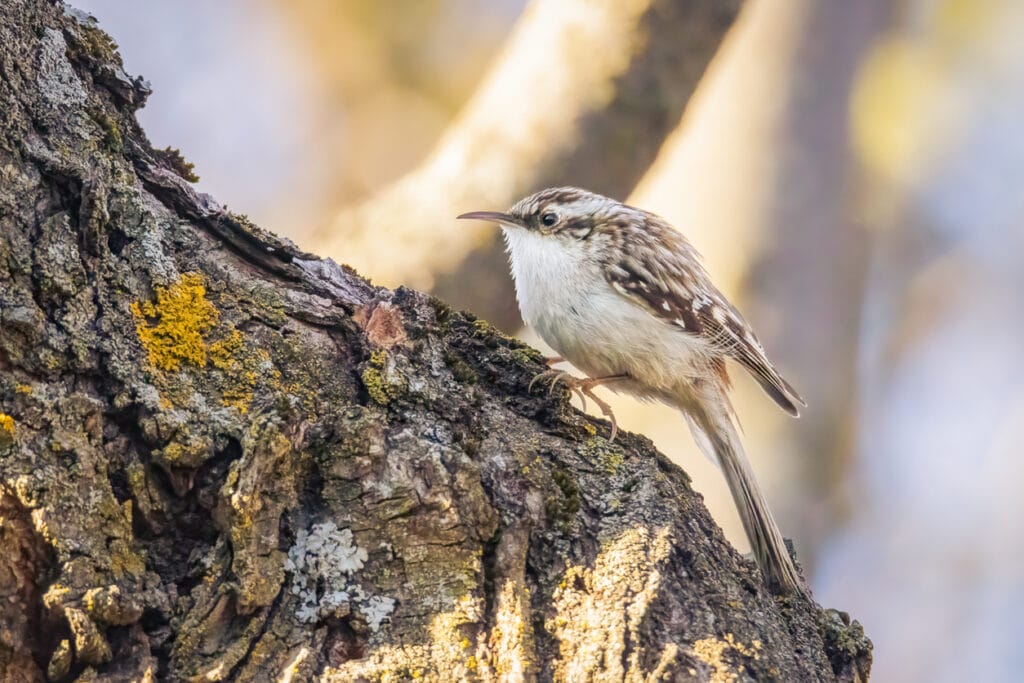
(623, 296)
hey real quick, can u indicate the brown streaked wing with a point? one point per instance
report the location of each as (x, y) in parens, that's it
(663, 274)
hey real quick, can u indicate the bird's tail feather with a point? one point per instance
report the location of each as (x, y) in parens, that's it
(715, 433)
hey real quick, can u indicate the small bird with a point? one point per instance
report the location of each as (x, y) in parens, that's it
(623, 296)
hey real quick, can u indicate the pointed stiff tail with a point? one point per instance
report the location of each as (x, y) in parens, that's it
(716, 435)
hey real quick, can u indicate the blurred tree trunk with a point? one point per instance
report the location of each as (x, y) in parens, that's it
(224, 459)
(768, 201)
(808, 280)
(583, 93)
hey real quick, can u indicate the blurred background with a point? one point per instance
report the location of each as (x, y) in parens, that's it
(852, 172)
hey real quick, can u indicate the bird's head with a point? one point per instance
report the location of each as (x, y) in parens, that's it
(563, 214)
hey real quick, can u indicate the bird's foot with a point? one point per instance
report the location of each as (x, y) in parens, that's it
(553, 377)
(584, 389)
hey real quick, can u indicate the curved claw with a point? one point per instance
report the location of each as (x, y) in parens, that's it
(529, 387)
(553, 377)
(549, 376)
(556, 375)
(606, 410)
(587, 388)
(584, 389)
(574, 387)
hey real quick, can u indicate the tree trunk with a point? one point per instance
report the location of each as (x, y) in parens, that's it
(225, 459)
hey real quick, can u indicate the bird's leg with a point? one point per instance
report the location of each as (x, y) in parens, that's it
(553, 360)
(586, 388)
(583, 388)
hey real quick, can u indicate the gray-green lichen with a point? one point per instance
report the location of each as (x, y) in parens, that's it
(323, 563)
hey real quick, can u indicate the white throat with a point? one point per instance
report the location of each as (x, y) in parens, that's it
(549, 274)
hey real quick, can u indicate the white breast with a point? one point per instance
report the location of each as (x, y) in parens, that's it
(566, 298)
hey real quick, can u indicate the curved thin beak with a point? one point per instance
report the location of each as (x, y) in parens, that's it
(494, 217)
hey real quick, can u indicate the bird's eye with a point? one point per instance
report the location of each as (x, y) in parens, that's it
(549, 219)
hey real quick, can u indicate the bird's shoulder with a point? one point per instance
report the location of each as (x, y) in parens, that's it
(656, 267)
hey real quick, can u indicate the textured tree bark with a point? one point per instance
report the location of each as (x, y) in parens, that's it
(225, 459)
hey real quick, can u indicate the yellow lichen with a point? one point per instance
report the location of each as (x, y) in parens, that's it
(6, 429)
(380, 380)
(511, 641)
(124, 560)
(224, 353)
(173, 329)
(527, 355)
(183, 328)
(23, 388)
(610, 457)
(613, 461)
(174, 453)
(528, 467)
(712, 651)
(484, 327)
(244, 367)
(452, 634)
(239, 396)
(374, 383)
(56, 595)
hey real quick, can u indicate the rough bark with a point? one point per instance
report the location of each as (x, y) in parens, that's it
(225, 459)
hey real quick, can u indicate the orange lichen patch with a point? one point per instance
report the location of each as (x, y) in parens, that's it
(183, 328)
(173, 329)
(226, 355)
